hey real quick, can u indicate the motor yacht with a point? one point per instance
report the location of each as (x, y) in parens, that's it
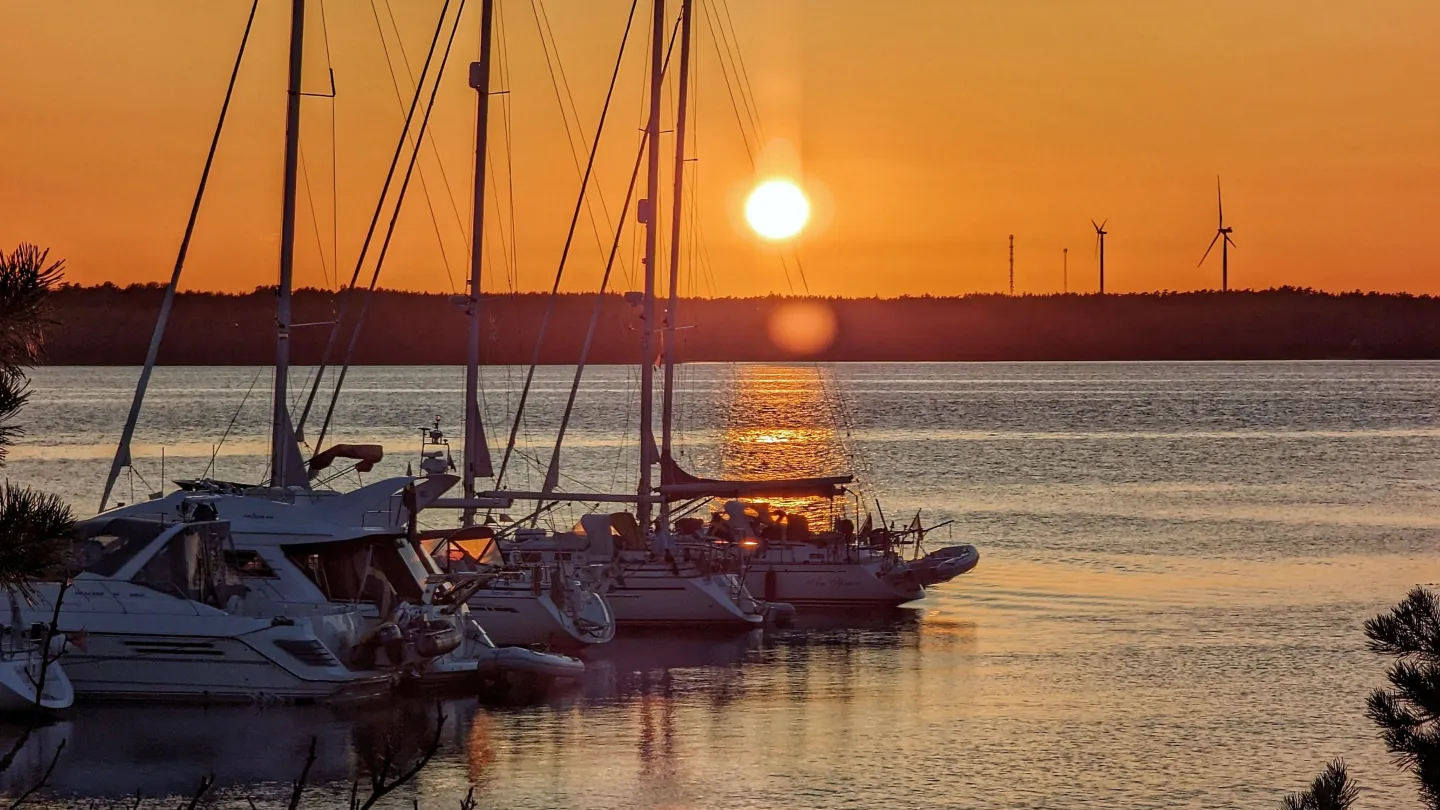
(156, 612)
(357, 551)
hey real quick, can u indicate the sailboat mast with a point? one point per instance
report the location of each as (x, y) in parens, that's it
(122, 450)
(667, 414)
(282, 434)
(477, 450)
(648, 212)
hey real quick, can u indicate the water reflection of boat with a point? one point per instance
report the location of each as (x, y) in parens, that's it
(641, 663)
(113, 751)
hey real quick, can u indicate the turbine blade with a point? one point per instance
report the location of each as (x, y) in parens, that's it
(1097, 227)
(1097, 243)
(1103, 224)
(1219, 201)
(1207, 250)
(1231, 241)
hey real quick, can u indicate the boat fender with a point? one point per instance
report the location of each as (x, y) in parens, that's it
(770, 586)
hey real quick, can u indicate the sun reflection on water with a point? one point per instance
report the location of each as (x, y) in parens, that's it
(780, 422)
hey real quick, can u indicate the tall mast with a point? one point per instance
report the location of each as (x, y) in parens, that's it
(670, 323)
(282, 432)
(648, 215)
(477, 449)
(122, 450)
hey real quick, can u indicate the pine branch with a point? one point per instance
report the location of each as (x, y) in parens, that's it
(1333, 789)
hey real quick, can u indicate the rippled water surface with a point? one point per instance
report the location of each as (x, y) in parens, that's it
(1176, 561)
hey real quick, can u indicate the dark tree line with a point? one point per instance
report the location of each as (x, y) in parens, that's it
(109, 325)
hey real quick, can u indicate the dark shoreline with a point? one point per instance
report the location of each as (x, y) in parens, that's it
(109, 325)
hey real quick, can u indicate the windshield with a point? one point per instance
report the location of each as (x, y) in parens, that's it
(378, 571)
(105, 547)
(192, 566)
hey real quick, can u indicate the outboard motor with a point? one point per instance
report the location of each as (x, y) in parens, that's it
(435, 637)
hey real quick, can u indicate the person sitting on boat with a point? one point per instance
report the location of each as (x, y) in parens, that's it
(719, 529)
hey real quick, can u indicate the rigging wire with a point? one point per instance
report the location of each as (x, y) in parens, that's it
(565, 252)
(334, 154)
(348, 293)
(399, 99)
(215, 451)
(314, 220)
(554, 467)
(512, 269)
(561, 86)
(122, 449)
(390, 229)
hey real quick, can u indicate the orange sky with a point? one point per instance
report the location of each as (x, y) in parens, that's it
(929, 130)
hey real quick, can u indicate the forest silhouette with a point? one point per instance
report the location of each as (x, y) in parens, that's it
(111, 325)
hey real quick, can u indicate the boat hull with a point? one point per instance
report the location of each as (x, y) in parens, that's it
(830, 584)
(17, 685)
(161, 648)
(654, 596)
(520, 617)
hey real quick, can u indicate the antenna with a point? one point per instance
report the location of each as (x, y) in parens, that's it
(1065, 258)
(1012, 264)
(1100, 233)
(1225, 245)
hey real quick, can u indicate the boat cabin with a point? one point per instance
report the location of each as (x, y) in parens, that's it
(183, 560)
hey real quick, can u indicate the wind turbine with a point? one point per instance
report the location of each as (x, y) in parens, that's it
(1225, 245)
(1100, 250)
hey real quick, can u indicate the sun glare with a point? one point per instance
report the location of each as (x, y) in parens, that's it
(777, 209)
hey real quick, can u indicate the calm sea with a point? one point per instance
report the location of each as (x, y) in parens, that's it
(1176, 563)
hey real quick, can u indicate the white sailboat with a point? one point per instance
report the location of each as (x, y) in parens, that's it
(520, 606)
(675, 589)
(784, 562)
(526, 604)
(648, 584)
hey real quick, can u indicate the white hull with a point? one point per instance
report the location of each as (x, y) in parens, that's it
(519, 617)
(160, 647)
(207, 669)
(18, 675)
(651, 595)
(834, 584)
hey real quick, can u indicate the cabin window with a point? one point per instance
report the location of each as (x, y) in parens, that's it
(191, 566)
(106, 554)
(249, 565)
(372, 571)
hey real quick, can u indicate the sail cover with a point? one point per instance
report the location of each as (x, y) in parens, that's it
(365, 456)
(676, 484)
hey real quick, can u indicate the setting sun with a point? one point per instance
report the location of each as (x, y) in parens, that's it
(777, 209)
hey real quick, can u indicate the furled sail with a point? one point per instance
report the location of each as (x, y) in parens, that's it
(677, 484)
